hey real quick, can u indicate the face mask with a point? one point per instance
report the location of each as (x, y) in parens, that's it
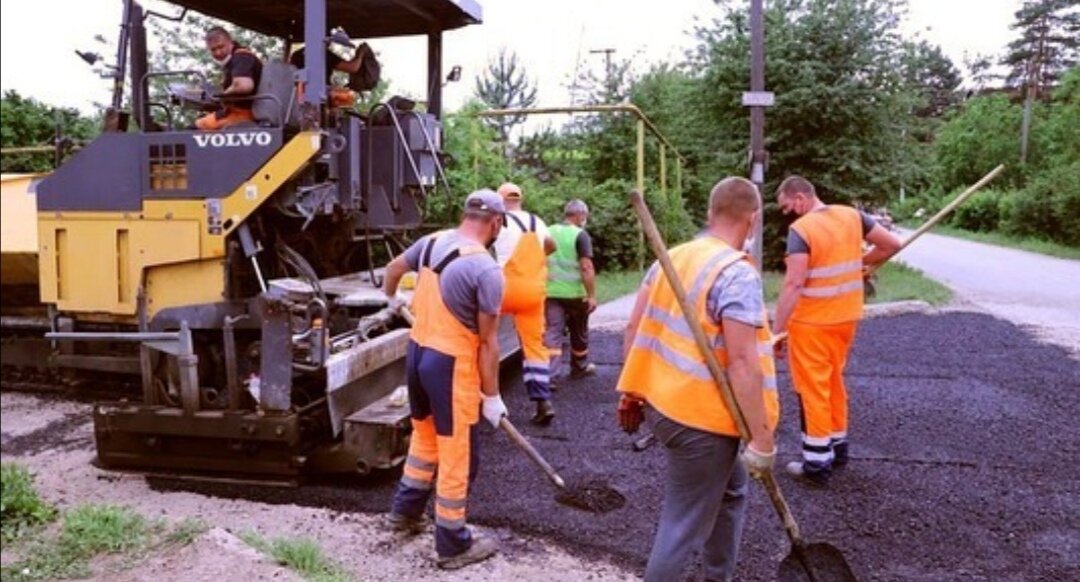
(224, 61)
(748, 244)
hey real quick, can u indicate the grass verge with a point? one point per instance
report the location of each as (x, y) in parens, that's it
(84, 533)
(614, 284)
(301, 555)
(21, 510)
(1000, 239)
(895, 282)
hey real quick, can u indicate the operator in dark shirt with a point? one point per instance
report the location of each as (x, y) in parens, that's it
(242, 71)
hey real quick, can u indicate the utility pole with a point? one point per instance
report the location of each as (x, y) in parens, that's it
(607, 66)
(1033, 77)
(757, 99)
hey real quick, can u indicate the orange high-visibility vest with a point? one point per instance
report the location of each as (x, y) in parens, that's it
(665, 367)
(834, 287)
(526, 270)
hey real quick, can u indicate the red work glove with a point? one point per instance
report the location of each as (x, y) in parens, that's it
(631, 413)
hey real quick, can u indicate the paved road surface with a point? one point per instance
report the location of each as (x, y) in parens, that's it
(1024, 288)
(963, 464)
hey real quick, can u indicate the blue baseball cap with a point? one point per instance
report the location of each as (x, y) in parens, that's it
(484, 203)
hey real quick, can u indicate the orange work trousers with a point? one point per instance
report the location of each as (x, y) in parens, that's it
(527, 309)
(818, 354)
(233, 116)
(523, 299)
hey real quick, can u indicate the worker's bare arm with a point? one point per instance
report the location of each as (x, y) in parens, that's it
(588, 277)
(488, 325)
(394, 272)
(886, 244)
(796, 269)
(745, 375)
(241, 86)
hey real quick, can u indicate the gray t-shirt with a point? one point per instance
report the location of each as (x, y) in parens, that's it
(470, 284)
(737, 294)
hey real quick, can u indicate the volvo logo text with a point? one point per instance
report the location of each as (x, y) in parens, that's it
(233, 140)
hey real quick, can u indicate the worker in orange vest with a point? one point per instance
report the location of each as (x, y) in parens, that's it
(665, 380)
(820, 305)
(452, 370)
(522, 249)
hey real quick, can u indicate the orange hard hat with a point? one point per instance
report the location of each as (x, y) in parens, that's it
(510, 191)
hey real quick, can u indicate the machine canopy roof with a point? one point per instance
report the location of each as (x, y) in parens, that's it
(360, 18)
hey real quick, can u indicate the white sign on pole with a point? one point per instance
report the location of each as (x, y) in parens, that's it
(758, 98)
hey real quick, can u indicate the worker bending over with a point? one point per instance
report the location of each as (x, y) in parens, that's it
(522, 249)
(452, 370)
(820, 304)
(665, 373)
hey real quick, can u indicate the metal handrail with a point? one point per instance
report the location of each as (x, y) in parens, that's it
(621, 108)
(434, 153)
(643, 123)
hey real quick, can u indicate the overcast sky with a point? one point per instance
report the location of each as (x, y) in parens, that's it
(553, 39)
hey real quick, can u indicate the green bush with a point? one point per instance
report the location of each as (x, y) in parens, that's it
(983, 134)
(617, 242)
(1049, 207)
(20, 506)
(980, 213)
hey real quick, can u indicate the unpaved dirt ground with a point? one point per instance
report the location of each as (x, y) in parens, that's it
(965, 446)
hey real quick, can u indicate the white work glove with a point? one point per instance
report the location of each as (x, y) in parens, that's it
(493, 409)
(757, 463)
(396, 302)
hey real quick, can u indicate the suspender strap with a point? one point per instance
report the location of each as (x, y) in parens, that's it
(506, 222)
(425, 256)
(446, 261)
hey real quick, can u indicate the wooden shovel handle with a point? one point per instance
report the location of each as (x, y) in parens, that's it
(935, 219)
(656, 241)
(534, 455)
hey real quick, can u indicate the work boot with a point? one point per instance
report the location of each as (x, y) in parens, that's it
(481, 549)
(545, 412)
(840, 455)
(588, 370)
(404, 524)
(797, 469)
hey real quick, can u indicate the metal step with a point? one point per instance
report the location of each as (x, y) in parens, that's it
(377, 435)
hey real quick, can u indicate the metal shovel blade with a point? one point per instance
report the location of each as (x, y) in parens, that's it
(825, 561)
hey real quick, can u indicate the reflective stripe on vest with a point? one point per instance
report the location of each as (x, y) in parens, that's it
(833, 290)
(564, 267)
(665, 365)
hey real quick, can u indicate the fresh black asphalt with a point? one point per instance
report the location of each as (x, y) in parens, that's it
(966, 463)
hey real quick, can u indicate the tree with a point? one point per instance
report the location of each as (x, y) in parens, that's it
(976, 139)
(842, 116)
(607, 141)
(504, 85)
(26, 122)
(1049, 44)
(931, 76)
